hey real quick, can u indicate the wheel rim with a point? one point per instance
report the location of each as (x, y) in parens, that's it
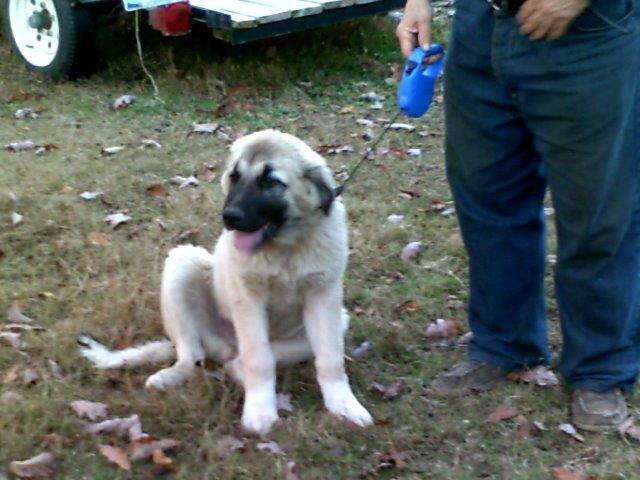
(35, 29)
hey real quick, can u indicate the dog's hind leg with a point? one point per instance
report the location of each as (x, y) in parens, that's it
(188, 313)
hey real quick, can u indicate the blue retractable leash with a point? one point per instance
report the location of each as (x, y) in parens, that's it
(414, 95)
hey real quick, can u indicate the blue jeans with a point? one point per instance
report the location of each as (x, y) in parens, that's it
(522, 115)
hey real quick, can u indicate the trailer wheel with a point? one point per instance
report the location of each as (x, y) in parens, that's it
(49, 36)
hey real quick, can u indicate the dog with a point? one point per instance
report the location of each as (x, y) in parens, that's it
(270, 293)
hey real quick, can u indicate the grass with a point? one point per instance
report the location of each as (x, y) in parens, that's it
(69, 285)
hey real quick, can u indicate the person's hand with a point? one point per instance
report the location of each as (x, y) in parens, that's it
(548, 19)
(415, 27)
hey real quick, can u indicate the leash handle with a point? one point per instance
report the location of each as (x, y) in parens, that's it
(419, 81)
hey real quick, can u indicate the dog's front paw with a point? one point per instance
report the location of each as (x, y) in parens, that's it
(341, 402)
(259, 414)
(168, 377)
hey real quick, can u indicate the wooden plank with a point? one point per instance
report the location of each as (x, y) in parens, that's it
(238, 20)
(360, 2)
(262, 13)
(298, 8)
(329, 4)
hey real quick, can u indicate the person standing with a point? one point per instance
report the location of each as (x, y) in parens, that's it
(545, 94)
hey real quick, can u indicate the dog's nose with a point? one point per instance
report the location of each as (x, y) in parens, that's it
(232, 217)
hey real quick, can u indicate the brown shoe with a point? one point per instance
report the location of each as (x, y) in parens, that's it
(467, 377)
(598, 412)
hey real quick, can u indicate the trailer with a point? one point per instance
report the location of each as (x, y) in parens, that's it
(53, 37)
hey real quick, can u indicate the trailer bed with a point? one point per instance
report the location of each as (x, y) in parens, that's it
(242, 21)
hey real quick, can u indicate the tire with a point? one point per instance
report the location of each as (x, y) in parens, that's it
(57, 41)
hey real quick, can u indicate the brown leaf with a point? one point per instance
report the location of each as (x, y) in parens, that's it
(630, 429)
(160, 459)
(15, 315)
(157, 190)
(524, 428)
(41, 465)
(540, 375)
(92, 410)
(271, 447)
(387, 392)
(115, 455)
(409, 193)
(292, 471)
(144, 447)
(98, 238)
(560, 473)
(11, 375)
(30, 377)
(11, 338)
(227, 444)
(502, 412)
(394, 277)
(571, 431)
(407, 306)
(441, 328)
(118, 426)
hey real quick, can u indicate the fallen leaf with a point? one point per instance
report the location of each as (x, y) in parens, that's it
(116, 219)
(465, 339)
(11, 338)
(41, 465)
(388, 392)
(47, 147)
(203, 128)
(123, 101)
(395, 219)
(117, 426)
(23, 96)
(115, 455)
(150, 143)
(502, 412)
(571, 431)
(363, 350)
(283, 401)
(30, 377)
(365, 122)
(11, 398)
(560, 473)
(334, 149)
(227, 444)
(292, 471)
(407, 306)
(55, 439)
(20, 146)
(271, 447)
(157, 190)
(160, 459)
(144, 447)
(394, 277)
(540, 375)
(630, 429)
(524, 428)
(11, 375)
(184, 182)
(409, 193)
(15, 315)
(455, 304)
(92, 410)
(347, 109)
(112, 150)
(55, 369)
(414, 152)
(402, 126)
(28, 112)
(16, 218)
(410, 251)
(98, 238)
(377, 106)
(441, 328)
(372, 97)
(22, 327)
(91, 195)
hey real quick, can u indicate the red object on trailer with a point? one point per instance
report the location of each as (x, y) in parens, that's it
(171, 20)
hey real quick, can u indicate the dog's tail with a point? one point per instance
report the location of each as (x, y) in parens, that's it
(149, 353)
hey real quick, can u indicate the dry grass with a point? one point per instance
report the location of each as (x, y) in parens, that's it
(111, 290)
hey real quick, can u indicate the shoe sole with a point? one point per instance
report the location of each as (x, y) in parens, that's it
(600, 428)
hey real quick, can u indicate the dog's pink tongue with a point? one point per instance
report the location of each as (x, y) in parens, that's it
(247, 242)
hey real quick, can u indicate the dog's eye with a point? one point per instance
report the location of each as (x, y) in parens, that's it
(270, 181)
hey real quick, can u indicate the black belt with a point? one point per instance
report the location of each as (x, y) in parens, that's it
(506, 6)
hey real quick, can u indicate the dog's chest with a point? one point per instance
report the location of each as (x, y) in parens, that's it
(285, 303)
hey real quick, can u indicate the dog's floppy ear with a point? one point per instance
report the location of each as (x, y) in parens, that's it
(327, 193)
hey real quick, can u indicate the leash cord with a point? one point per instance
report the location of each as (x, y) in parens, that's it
(372, 148)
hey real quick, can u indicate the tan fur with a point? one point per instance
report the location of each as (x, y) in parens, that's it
(279, 304)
